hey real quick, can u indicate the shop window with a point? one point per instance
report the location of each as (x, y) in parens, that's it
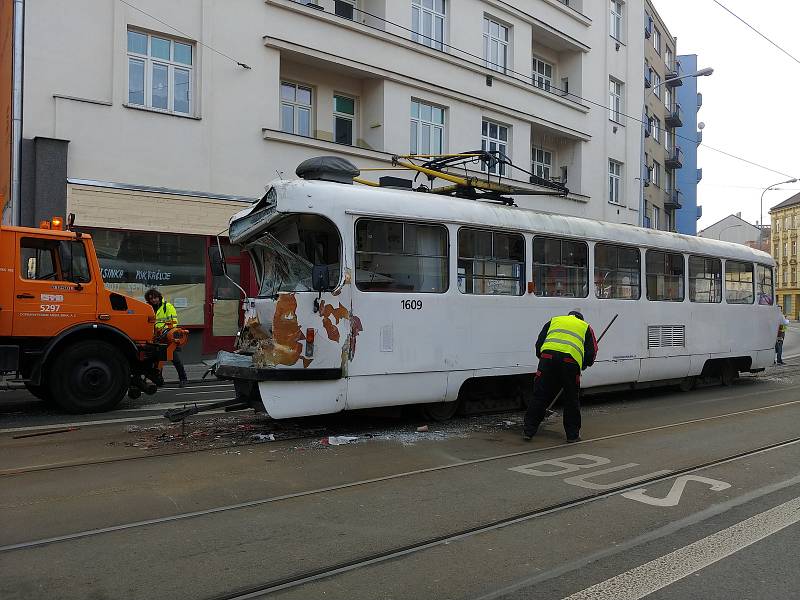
(664, 271)
(560, 268)
(490, 263)
(395, 256)
(738, 282)
(705, 279)
(131, 262)
(617, 272)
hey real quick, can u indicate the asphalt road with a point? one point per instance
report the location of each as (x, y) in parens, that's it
(670, 495)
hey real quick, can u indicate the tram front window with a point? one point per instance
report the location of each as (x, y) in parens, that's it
(286, 254)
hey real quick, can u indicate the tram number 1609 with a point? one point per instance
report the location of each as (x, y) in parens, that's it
(411, 304)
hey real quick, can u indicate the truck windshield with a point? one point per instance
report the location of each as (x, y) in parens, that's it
(286, 253)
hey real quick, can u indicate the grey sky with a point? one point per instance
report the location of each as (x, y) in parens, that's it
(749, 103)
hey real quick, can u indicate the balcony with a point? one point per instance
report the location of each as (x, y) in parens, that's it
(673, 74)
(675, 159)
(672, 200)
(674, 117)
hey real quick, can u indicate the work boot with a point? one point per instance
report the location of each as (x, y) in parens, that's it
(575, 439)
(526, 437)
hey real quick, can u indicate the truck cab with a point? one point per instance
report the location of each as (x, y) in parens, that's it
(62, 333)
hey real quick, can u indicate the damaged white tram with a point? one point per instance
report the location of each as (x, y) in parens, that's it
(432, 299)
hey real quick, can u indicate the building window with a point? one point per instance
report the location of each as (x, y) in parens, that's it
(614, 100)
(705, 279)
(657, 84)
(657, 40)
(344, 8)
(393, 256)
(794, 276)
(739, 282)
(427, 22)
(160, 73)
(427, 128)
(656, 174)
(560, 268)
(490, 263)
(542, 163)
(656, 130)
(616, 19)
(542, 74)
(614, 182)
(786, 248)
(668, 98)
(656, 217)
(617, 272)
(494, 138)
(344, 118)
(495, 45)
(664, 271)
(295, 109)
(794, 248)
(785, 278)
(668, 140)
(668, 59)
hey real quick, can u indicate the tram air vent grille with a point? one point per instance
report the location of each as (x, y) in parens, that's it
(665, 336)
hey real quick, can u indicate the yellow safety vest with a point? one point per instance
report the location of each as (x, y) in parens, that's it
(164, 314)
(567, 334)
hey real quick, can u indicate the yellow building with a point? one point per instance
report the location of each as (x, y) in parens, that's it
(785, 218)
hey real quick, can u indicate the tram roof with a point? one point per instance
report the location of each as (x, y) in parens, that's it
(299, 196)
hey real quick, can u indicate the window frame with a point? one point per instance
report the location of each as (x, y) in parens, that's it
(172, 65)
(647, 275)
(656, 39)
(615, 182)
(344, 116)
(752, 281)
(487, 141)
(705, 258)
(615, 95)
(403, 222)
(537, 165)
(420, 36)
(617, 270)
(490, 40)
(56, 249)
(561, 240)
(296, 106)
(542, 80)
(521, 279)
(418, 123)
(616, 16)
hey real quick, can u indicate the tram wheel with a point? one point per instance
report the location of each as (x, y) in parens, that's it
(440, 411)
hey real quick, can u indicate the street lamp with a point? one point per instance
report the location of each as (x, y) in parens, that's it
(761, 213)
(724, 229)
(701, 73)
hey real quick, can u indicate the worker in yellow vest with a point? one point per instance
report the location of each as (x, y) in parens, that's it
(166, 316)
(565, 347)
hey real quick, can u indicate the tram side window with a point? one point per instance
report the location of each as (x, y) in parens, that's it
(560, 268)
(617, 272)
(393, 256)
(705, 279)
(664, 271)
(490, 263)
(738, 282)
(766, 289)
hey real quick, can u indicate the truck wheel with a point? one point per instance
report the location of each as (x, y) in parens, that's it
(440, 411)
(42, 392)
(728, 373)
(89, 376)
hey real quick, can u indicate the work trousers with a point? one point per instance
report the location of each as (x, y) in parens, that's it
(178, 364)
(557, 371)
(779, 350)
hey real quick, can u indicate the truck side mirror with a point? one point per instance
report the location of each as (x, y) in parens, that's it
(217, 261)
(320, 278)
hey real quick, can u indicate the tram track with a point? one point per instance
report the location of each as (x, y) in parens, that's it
(394, 476)
(320, 431)
(291, 581)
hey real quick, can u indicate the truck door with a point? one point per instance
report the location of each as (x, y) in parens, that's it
(54, 288)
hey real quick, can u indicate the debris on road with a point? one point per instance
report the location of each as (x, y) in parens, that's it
(50, 432)
(263, 437)
(338, 440)
(422, 429)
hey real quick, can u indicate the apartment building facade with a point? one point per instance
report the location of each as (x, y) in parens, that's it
(690, 136)
(663, 155)
(785, 220)
(154, 122)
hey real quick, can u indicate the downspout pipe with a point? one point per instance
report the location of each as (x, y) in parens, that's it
(16, 108)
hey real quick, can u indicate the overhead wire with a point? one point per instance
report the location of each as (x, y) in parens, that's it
(184, 34)
(527, 79)
(775, 44)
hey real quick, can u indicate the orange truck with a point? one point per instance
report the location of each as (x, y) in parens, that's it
(63, 334)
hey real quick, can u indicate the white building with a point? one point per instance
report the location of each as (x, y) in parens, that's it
(138, 118)
(733, 229)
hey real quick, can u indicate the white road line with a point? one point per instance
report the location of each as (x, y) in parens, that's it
(661, 572)
(166, 406)
(199, 387)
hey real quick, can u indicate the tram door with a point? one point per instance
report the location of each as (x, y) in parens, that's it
(223, 309)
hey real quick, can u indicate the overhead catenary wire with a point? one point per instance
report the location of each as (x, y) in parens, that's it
(527, 79)
(184, 34)
(775, 44)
